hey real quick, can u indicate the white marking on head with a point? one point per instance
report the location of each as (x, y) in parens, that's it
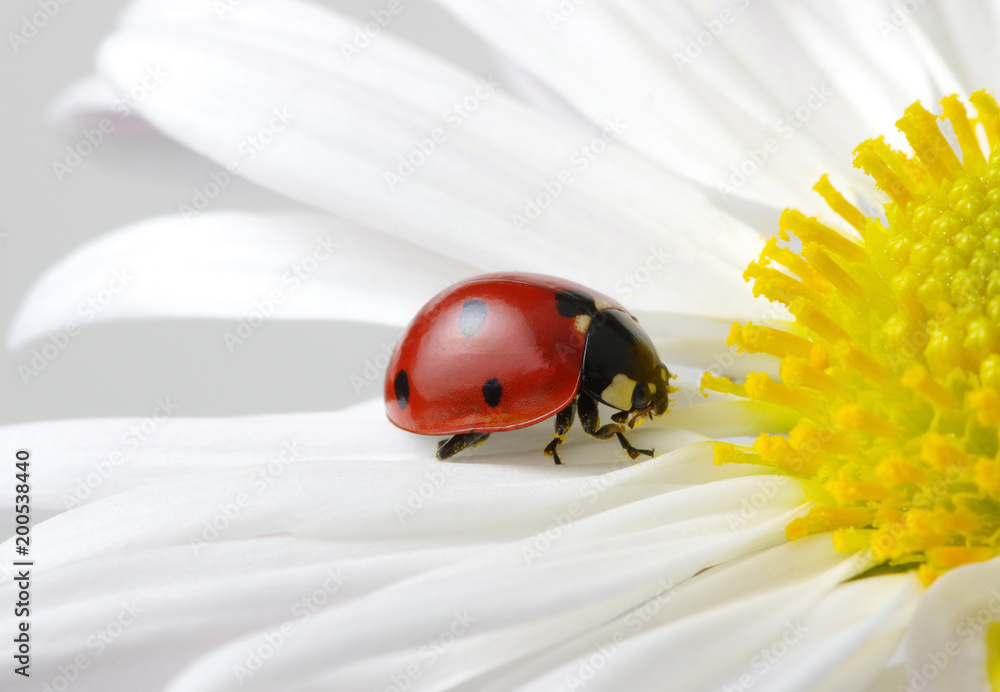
(582, 323)
(619, 392)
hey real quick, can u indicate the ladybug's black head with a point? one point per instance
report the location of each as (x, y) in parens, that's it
(621, 367)
(650, 396)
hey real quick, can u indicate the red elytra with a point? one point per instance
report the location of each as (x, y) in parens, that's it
(505, 351)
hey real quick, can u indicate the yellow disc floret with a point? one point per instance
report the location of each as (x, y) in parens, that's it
(893, 361)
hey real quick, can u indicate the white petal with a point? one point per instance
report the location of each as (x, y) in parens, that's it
(195, 552)
(776, 620)
(350, 122)
(89, 100)
(853, 633)
(227, 265)
(88, 460)
(965, 37)
(892, 677)
(670, 637)
(625, 553)
(139, 617)
(709, 84)
(537, 94)
(946, 650)
(81, 101)
(878, 75)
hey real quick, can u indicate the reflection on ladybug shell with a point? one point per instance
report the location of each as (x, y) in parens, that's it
(491, 353)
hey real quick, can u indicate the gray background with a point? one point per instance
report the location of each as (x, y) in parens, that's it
(122, 369)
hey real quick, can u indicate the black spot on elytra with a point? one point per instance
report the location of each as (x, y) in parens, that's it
(573, 303)
(492, 391)
(402, 386)
(472, 318)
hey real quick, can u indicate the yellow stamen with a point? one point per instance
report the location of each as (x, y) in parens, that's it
(807, 436)
(851, 356)
(799, 372)
(972, 155)
(834, 273)
(938, 451)
(851, 540)
(848, 490)
(921, 130)
(779, 286)
(954, 556)
(756, 339)
(836, 201)
(851, 417)
(826, 519)
(760, 387)
(916, 377)
(777, 451)
(812, 231)
(989, 115)
(817, 320)
(895, 469)
(733, 454)
(988, 477)
(795, 264)
(893, 183)
(986, 405)
(721, 384)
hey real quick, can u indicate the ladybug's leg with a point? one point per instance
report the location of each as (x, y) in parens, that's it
(591, 421)
(453, 445)
(564, 421)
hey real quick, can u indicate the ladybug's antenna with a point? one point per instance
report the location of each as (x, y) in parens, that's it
(638, 414)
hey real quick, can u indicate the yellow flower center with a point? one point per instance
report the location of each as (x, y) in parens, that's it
(892, 363)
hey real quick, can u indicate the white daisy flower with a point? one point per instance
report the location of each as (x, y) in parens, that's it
(331, 551)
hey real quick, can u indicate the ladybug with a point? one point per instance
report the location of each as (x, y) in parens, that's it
(504, 351)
